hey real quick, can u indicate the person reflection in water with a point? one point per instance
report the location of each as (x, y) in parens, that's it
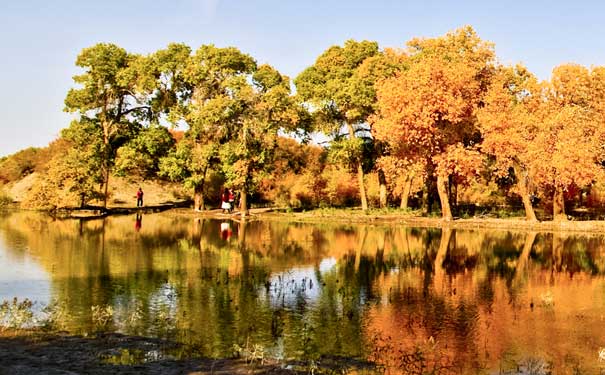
(226, 230)
(138, 221)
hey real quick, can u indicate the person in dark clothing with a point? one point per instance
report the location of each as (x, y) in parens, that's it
(140, 198)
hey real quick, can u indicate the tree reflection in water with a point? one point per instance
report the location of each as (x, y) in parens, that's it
(410, 299)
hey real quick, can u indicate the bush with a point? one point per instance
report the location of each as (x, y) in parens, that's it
(5, 200)
(341, 187)
(373, 189)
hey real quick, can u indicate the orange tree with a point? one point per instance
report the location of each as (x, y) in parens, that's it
(509, 123)
(402, 174)
(568, 146)
(383, 65)
(430, 107)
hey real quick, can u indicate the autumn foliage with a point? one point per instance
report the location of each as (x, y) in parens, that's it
(427, 111)
(424, 122)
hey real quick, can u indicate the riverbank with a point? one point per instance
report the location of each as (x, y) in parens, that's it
(409, 218)
(25, 352)
(376, 216)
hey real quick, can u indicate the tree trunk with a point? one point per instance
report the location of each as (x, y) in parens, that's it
(453, 194)
(243, 202)
(426, 201)
(522, 187)
(446, 212)
(407, 187)
(382, 181)
(362, 188)
(106, 130)
(558, 205)
(198, 198)
(199, 203)
(106, 187)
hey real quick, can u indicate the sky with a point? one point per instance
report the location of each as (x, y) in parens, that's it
(40, 39)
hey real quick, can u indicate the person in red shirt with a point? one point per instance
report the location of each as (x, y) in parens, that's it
(140, 198)
(225, 205)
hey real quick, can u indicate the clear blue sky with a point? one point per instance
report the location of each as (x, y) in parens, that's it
(40, 39)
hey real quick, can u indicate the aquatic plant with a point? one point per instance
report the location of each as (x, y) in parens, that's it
(547, 299)
(101, 316)
(250, 352)
(56, 314)
(16, 314)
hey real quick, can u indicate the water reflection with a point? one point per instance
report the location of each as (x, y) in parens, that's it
(138, 221)
(410, 299)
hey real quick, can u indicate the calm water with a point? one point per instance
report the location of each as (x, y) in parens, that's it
(410, 299)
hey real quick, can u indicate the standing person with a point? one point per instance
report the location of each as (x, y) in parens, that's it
(140, 197)
(225, 205)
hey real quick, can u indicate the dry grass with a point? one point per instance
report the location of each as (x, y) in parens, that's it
(122, 192)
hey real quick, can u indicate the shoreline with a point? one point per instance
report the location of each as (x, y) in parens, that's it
(346, 216)
(30, 351)
(517, 224)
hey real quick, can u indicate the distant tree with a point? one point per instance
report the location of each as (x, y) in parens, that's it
(339, 96)
(20, 164)
(403, 173)
(429, 108)
(72, 172)
(191, 162)
(260, 109)
(568, 148)
(108, 98)
(209, 73)
(509, 123)
(234, 110)
(293, 179)
(374, 69)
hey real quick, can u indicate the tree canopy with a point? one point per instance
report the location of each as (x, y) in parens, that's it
(439, 117)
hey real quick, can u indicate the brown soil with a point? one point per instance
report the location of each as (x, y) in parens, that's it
(27, 352)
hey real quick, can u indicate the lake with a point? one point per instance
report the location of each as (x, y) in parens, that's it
(409, 299)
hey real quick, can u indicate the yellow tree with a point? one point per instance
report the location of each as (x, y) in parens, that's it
(403, 174)
(429, 108)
